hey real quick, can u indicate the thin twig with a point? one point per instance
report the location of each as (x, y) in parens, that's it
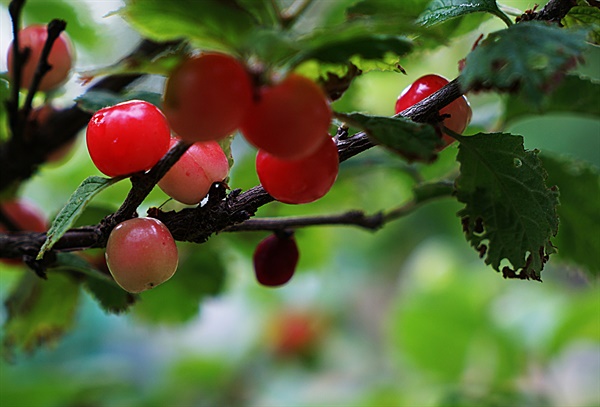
(142, 184)
(19, 58)
(350, 218)
(54, 28)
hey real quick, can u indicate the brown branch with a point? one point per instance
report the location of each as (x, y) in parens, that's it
(350, 218)
(555, 10)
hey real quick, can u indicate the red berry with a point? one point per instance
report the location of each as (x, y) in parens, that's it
(459, 110)
(25, 216)
(189, 180)
(207, 97)
(299, 181)
(275, 260)
(128, 137)
(141, 254)
(60, 57)
(295, 333)
(290, 120)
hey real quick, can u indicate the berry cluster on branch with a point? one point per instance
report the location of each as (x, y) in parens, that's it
(224, 212)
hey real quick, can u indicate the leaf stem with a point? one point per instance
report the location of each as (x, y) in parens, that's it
(500, 14)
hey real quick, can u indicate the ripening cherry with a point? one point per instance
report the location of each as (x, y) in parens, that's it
(207, 96)
(24, 216)
(128, 137)
(459, 110)
(60, 57)
(299, 181)
(189, 180)
(141, 254)
(275, 259)
(290, 119)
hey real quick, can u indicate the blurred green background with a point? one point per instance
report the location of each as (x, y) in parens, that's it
(405, 316)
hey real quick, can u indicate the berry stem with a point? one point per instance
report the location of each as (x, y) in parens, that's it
(143, 183)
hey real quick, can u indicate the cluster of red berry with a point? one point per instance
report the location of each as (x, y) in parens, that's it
(208, 97)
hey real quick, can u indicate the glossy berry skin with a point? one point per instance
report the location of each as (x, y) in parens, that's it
(459, 110)
(207, 97)
(141, 254)
(25, 216)
(299, 181)
(128, 137)
(275, 260)
(60, 57)
(290, 119)
(189, 180)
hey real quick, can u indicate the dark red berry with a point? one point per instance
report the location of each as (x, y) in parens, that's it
(275, 260)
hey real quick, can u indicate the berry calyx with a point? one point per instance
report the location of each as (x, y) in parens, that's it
(299, 181)
(207, 97)
(459, 110)
(128, 137)
(141, 254)
(189, 180)
(290, 119)
(60, 57)
(275, 259)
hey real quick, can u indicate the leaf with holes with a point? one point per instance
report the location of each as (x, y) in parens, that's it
(509, 212)
(502, 63)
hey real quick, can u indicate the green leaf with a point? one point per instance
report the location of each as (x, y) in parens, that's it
(509, 212)
(112, 298)
(80, 25)
(382, 8)
(39, 312)
(208, 24)
(358, 48)
(262, 11)
(502, 63)
(413, 141)
(561, 100)
(585, 16)
(159, 61)
(578, 239)
(94, 100)
(200, 273)
(440, 11)
(68, 215)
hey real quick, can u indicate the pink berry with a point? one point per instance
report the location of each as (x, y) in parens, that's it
(141, 254)
(189, 180)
